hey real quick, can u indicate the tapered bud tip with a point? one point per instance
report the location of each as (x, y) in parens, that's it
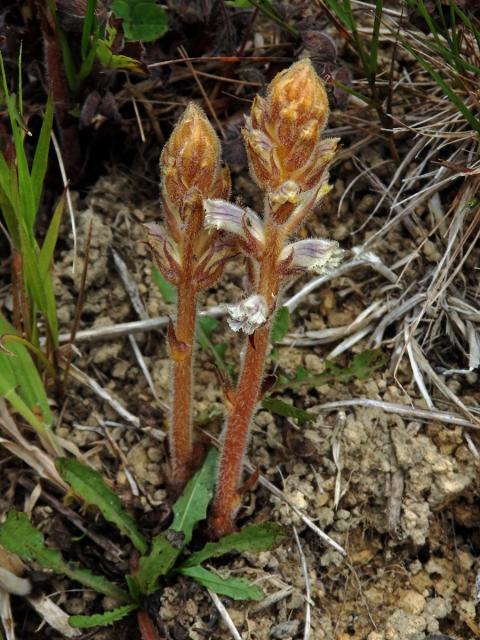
(191, 157)
(299, 100)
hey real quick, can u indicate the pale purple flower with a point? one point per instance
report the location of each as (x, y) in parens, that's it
(248, 315)
(317, 255)
(225, 216)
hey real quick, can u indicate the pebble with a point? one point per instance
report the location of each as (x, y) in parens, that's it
(314, 363)
(412, 602)
(285, 630)
(154, 454)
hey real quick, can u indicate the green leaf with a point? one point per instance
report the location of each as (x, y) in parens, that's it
(235, 588)
(281, 325)
(208, 325)
(101, 619)
(157, 563)
(189, 509)
(46, 253)
(88, 26)
(40, 159)
(112, 60)
(133, 589)
(281, 408)
(254, 538)
(362, 366)
(143, 20)
(192, 505)
(90, 486)
(19, 374)
(19, 536)
(168, 291)
(239, 4)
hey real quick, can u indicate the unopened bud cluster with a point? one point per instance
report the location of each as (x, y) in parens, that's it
(289, 160)
(191, 171)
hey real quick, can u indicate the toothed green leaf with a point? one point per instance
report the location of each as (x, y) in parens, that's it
(91, 487)
(101, 619)
(254, 538)
(19, 536)
(235, 588)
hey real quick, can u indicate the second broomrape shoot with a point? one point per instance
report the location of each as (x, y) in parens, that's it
(289, 161)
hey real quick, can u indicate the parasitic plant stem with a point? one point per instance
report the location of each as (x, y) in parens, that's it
(190, 257)
(180, 436)
(289, 161)
(247, 395)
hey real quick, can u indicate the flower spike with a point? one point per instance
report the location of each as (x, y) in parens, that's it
(191, 172)
(289, 161)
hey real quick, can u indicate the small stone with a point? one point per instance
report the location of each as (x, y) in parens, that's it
(412, 602)
(154, 454)
(285, 630)
(314, 363)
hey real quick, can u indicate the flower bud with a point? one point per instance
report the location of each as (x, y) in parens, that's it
(282, 136)
(191, 159)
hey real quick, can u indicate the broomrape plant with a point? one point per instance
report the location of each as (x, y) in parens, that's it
(189, 256)
(289, 161)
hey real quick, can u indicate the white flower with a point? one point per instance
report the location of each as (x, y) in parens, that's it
(248, 314)
(226, 216)
(317, 255)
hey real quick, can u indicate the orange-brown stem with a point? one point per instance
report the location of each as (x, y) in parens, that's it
(227, 498)
(247, 395)
(181, 440)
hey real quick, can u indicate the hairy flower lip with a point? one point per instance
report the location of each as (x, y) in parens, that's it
(225, 216)
(248, 315)
(317, 255)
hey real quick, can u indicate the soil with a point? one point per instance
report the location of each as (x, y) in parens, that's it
(400, 496)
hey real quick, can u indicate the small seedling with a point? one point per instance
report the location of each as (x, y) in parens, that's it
(143, 20)
(160, 560)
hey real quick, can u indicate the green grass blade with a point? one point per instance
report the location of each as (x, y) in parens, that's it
(18, 372)
(91, 487)
(344, 16)
(40, 159)
(48, 247)
(67, 57)
(40, 288)
(5, 178)
(89, 27)
(456, 100)
(27, 210)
